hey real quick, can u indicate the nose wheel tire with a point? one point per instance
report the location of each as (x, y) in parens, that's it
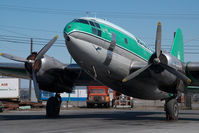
(53, 106)
(172, 109)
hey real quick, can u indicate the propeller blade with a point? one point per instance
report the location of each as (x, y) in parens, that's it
(36, 87)
(136, 73)
(178, 74)
(46, 47)
(15, 58)
(158, 40)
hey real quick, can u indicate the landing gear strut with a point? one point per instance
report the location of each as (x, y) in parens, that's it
(53, 106)
(172, 109)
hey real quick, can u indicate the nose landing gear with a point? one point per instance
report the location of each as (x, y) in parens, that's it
(53, 106)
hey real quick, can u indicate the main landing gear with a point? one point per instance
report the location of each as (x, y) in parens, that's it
(53, 106)
(172, 109)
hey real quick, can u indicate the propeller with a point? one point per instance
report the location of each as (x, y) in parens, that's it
(157, 61)
(158, 41)
(11, 57)
(32, 62)
(136, 73)
(46, 48)
(178, 74)
(36, 86)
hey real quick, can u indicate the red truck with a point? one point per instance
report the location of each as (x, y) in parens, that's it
(98, 95)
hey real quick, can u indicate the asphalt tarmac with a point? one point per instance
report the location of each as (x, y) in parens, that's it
(99, 121)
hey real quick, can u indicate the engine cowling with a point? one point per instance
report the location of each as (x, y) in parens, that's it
(49, 74)
(166, 80)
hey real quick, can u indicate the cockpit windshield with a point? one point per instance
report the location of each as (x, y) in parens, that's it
(94, 24)
(81, 21)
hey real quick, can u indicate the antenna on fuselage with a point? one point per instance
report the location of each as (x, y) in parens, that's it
(95, 14)
(87, 13)
(91, 13)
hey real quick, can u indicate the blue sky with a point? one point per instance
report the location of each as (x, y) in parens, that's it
(43, 19)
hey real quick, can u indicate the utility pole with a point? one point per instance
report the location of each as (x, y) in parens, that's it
(30, 81)
(69, 93)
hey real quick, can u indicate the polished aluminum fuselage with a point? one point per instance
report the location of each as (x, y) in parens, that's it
(110, 67)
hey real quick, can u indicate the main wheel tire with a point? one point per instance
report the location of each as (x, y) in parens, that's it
(53, 107)
(172, 110)
(88, 105)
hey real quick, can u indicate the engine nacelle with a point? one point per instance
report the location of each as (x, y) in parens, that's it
(49, 74)
(166, 80)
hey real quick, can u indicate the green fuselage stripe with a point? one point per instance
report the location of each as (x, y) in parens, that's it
(133, 45)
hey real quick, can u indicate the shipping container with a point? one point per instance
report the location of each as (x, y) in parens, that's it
(9, 88)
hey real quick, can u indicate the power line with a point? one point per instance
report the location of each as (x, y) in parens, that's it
(55, 45)
(27, 38)
(114, 14)
(25, 28)
(40, 41)
(22, 43)
(13, 31)
(100, 12)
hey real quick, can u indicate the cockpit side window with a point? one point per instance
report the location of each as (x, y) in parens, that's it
(94, 31)
(91, 23)
(94, 24)
(97, 25)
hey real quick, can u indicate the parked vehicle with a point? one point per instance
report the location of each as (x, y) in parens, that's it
(121, 100)
(98, 95)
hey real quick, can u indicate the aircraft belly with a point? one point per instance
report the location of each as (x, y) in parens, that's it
(110, 67)
(145, 89)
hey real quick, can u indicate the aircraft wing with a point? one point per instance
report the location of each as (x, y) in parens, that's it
(73, 71)
(192, 71)
(14, 70)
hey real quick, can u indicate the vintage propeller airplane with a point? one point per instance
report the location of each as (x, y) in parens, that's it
(109, 55)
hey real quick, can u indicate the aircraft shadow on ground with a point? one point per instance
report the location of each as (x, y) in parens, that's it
(114, 116)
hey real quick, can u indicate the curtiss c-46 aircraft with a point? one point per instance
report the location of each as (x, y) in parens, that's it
(109, 55)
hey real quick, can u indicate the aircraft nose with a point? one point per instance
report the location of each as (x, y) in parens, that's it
(67, 38)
